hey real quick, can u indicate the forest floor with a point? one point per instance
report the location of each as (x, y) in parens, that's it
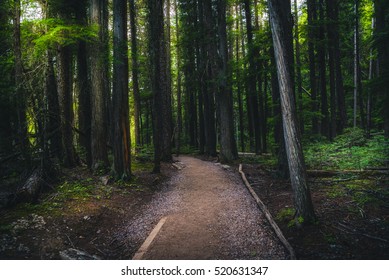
(352, 211)
(209, 214)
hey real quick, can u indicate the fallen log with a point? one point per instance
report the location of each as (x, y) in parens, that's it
(268, 216)
(331, 173)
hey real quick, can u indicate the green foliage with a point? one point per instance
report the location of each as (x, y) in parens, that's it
(267, 160)
(285, 214)
(351, 150)
(52, 31)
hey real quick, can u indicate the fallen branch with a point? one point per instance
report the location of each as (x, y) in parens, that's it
(268, 216)
(354, 231)
(329, 173)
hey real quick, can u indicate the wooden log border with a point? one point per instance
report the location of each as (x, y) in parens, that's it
(268, 216)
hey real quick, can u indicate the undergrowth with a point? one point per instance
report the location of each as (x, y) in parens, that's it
(351, 150)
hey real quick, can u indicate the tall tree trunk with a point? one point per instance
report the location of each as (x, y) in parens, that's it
(121, 126)
(98, 91)
(369, 105)
(64, 62)
(84, 101)
(54, 122)
(83, 91)
(278, 132)
(179, 93)
(331, 65)
(252, 99)
(356, 61)
(208, 81)
(324, 121)
(340, 95)
(20, 95)
(228, 150)
(299, 79)
(280, 17)
(312, 34)
(381, 8)
(135, 74)
(238, 82)
(162, 119)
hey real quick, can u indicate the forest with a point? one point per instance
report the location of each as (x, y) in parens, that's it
(99, 98)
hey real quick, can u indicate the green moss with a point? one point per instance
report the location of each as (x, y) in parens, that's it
(285, 214)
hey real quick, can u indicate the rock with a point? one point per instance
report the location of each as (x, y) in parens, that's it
(75, 254)
(106, 180)
(178, 165)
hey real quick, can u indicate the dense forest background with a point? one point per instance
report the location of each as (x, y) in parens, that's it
(94, 82)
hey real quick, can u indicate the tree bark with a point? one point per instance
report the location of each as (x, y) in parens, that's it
(98, 91)
(162, 119)
(381, 8)
(252, 100)
(135, 74)
(331, 25)
(228, 150)
(279, 12)
(64, 62)
(20, 94)
(209, 85)
(299, 86)
(239, 87)
(312, 33)
(321, 53)
(83, 91)
(340, 95)
(121, 126)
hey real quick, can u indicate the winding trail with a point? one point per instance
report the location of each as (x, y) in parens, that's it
(213, 217)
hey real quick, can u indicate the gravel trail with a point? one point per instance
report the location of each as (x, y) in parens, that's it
(210, 215)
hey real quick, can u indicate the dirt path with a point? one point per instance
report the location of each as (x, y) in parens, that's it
(211, 216)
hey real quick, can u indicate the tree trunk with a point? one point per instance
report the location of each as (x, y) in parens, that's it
(162, 118)
(83, 91)
(356, 62)
(228, 150)
(331, 65)
(279, 12)
(179, 93)
(54, 122)
(208, 79)
(64, 62)
(324, 121)
(98, 91)
(239, 87)
(312, 33)
(381, 8)
(299, 80)
(135, 74)
(340, 95)
(252, 100)
(20, 94)
(121, 126)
